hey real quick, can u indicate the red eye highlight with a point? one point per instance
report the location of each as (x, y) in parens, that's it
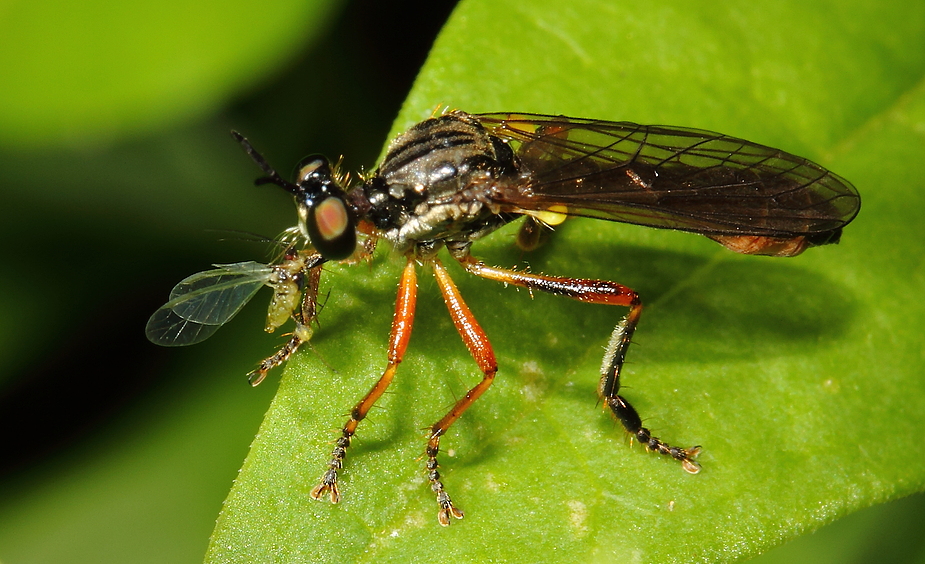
(331, 228)
(331, 218)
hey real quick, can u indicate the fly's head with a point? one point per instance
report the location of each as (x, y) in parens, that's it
(325, 217)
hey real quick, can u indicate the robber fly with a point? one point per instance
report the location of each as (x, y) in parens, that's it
(453, 179)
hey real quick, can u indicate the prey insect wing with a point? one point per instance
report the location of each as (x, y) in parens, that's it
(205, 301)
(668, 177)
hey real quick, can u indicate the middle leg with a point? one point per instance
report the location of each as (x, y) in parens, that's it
(477, 342)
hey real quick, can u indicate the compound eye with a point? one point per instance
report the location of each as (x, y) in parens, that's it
(314, 168)
(332, 229)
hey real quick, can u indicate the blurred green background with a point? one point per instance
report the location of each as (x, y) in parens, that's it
(118, 179)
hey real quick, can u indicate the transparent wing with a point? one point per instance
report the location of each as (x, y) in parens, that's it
(205, 301)
(671, 177)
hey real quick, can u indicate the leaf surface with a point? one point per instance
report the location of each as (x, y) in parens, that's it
(801, 378)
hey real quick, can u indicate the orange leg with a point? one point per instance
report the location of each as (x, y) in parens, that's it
(398, 342)
(477, 343)
(598, 292)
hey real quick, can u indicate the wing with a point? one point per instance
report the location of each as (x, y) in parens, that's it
(203, 302)
(670, 177)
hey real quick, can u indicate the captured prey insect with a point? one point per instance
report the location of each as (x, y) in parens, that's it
(453, 179)
(205, 301)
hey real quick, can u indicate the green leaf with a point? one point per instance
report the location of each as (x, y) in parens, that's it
(801, 377)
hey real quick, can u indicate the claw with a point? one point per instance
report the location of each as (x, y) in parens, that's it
(255, 377)
(328, 486)
(447, 509)
(687, 460)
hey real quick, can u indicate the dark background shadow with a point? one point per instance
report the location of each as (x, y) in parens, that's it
(95, 273)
